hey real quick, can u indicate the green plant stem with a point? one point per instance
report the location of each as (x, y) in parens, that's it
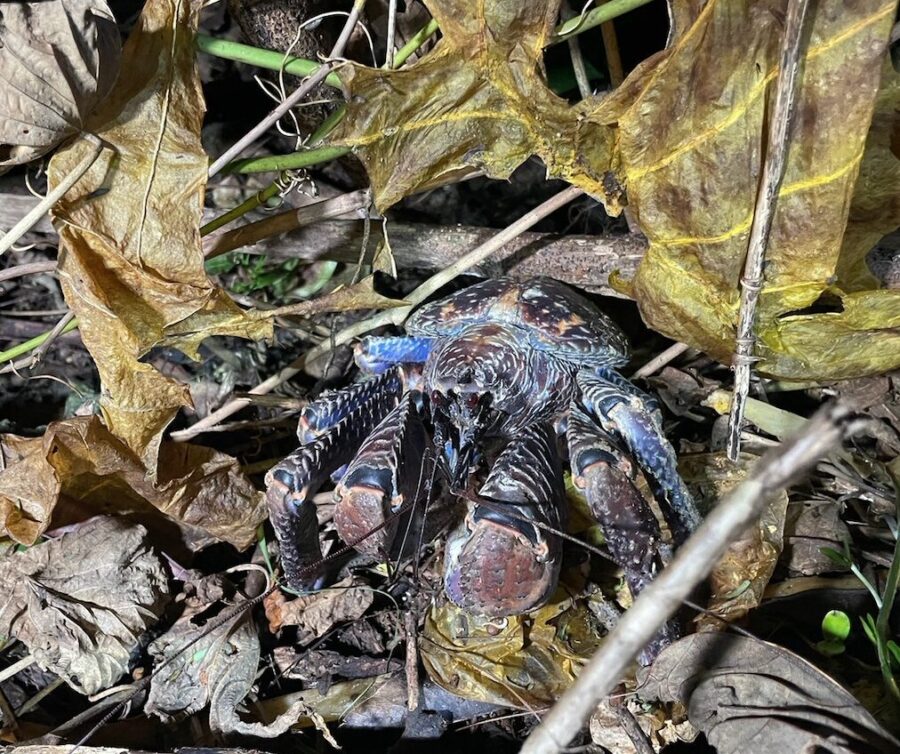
(292, 161)
(882, 623)
(415, 42)
(259, 198)
(29, 345)
(606, 12)
(262, 58)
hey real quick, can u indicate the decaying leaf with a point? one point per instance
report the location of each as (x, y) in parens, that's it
(521, 661)
(315, 614)
(131, 268)
(58, 60)
(740, 577)
(478, 101)
(216, 669)
(692, 145)
(81, 603)
(82, 463)
(379, 702)
(750, 696)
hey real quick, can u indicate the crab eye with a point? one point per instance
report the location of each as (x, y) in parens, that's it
(472, 401)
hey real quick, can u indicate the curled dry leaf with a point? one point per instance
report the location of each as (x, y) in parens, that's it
(315, 614)
(58, 60)
(79, 460)
(749, 697)
(216, 669)
(685, 135)
(740, 577)
(522, 661)
(478, 101)
(81, 603)
(131, 268)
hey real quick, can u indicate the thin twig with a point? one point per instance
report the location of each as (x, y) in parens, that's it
(394, 316)
(581, 74)
(412, 660)
(693, 563)
(307, 86)
(32, 268)
(36, 346)
(763, 215)
(284, 222)
(26, 662)
(658, 362)
(42, 207)
(391, 34)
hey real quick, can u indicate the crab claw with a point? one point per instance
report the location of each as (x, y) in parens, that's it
(497, 561)
(383, 477)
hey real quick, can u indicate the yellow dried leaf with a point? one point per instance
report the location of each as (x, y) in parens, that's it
(478, 101)
(692, 145)
(523, 661)
(131, 268)
(738, 580)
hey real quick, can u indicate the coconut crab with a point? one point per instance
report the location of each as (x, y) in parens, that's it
(488, 378)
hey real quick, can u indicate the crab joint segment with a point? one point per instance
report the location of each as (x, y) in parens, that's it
(388, 472)
(291, 484)
(626, 416)
(497, 562)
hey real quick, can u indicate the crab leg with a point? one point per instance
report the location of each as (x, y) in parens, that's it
(605, 475)
(389, 470)
(626, 415)
(497, 563)
(331, 429)
(376, 354)
(632, 533)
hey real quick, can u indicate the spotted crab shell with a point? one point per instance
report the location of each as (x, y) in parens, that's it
(552, 317)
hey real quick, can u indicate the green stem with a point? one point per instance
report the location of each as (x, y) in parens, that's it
(259, 198)
(262, 58)
(292, 161)
(415, 42)
(606, 12)
(29, 345)
(882, 622)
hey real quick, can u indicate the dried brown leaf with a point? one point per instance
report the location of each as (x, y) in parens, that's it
(81, 603)
(749, 697)
(315, 614)
(216, 668)
(58, 60)
(131, 268)
(81, 462)
(740, 577)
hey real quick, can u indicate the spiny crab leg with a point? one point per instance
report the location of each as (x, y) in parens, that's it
(331, 429)
(383, 478)
(501, 565)
(627, 416)
(377, 354)
(605, 475)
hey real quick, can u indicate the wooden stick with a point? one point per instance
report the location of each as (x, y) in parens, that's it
(763, 215)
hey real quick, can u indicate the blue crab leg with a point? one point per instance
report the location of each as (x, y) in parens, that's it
(336, 424)
(498, 564)
(625, 415)
(376, 354)
(388, 471)
(606, 476)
